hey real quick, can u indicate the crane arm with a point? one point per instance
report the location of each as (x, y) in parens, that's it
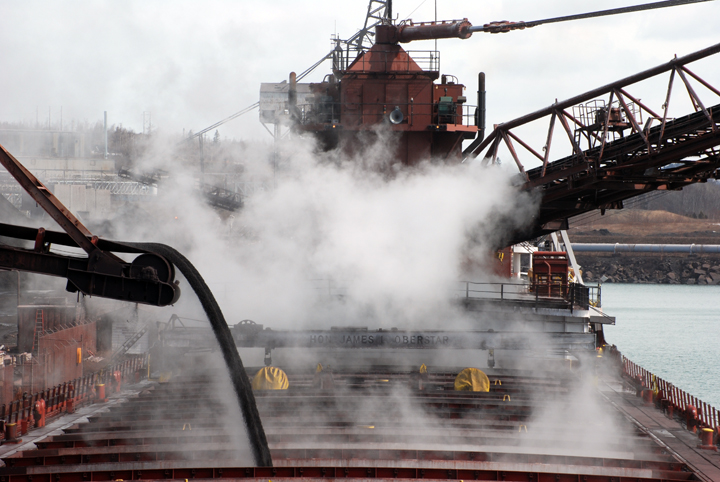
(148, 279)
(505, 26)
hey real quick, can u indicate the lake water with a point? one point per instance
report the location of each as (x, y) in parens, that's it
(671, 330)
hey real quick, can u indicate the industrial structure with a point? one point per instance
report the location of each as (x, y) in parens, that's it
(526, 389)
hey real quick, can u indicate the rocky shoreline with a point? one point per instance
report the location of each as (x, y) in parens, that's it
(623, 268)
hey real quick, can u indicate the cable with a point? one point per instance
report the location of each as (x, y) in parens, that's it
(218, 124)
(505, 26)
(314, 66)
(421, 4)
(240, 381)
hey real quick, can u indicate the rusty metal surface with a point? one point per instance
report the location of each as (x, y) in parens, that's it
(185, 470)
(327, 433)
(149, 279)
(621, 147)
(42, 195)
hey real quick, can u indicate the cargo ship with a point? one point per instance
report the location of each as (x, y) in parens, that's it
(525, 387)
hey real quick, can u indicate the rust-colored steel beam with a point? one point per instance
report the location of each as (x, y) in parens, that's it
(47, 200)
(595, 93)
(611, 146)
(149, 279)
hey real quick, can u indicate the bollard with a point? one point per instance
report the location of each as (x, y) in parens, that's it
(11, 434)
(647, 396)
(100, 393)
(706, 439)
(671, 411)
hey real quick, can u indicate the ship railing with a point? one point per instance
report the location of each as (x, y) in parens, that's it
(427, 60)
(440, 113)
(329, 287)
(674, 401)
(66, 397)
(495, 291)
(571, 294)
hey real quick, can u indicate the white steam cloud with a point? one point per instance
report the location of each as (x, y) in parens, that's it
(394, 239)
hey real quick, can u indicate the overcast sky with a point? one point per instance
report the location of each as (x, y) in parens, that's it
(193, 63)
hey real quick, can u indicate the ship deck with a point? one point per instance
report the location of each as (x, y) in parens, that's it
(579, 425)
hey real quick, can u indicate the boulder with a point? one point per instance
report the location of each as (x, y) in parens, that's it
(672, 275)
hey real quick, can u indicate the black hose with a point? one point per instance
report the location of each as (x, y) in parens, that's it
(240, 381)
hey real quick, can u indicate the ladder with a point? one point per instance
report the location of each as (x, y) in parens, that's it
(129, 343)
(39, 328)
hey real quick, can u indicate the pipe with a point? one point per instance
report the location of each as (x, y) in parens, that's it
(480, 110)
(646, 248)
(105, 130)
(408, 32)
(433, 30)
(292, 98)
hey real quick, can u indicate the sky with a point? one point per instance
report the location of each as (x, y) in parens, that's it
(191, 64)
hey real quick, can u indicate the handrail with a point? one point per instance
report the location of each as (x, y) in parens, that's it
(571, 293)
(64, 398)
(457, 114)
(666, 395)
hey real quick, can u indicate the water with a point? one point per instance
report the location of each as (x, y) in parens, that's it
(671, 330)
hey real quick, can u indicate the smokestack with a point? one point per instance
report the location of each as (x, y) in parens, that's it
(292, 98)
(480, 111)
(105, 130)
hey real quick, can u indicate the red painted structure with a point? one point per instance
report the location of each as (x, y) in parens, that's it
(550, 273)
(386, 90)
(67, 397)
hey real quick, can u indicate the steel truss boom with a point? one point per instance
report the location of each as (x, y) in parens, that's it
(616, 155)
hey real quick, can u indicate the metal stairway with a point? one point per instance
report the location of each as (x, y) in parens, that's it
(129, 343)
